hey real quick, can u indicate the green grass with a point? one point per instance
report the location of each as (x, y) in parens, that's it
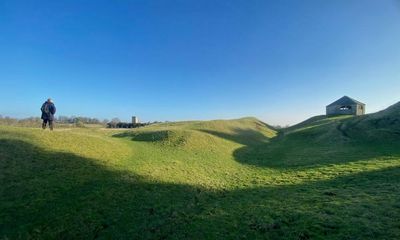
(326, 178)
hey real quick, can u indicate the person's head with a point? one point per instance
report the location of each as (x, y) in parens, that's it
(49, 100)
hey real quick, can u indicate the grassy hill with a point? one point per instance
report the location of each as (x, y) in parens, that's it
(326, 178)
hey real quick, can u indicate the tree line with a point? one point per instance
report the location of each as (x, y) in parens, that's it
(84, 120)
(36, 121)
(73, 121)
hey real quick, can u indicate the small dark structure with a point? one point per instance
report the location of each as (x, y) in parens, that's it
(345, 106)
(126, 125)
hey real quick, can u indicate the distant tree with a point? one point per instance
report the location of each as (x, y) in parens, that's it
(278, 127)
(10, 121)
(63, 119)
(94, 121)
(111, 125)
(115, 120)
(29, 122)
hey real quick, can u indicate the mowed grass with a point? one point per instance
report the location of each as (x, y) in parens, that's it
(328, 178)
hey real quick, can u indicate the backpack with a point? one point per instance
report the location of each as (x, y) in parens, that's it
(46, 108)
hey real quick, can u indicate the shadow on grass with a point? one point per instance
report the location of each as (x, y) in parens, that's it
(145, 136)
(56, 195)
(324, 144)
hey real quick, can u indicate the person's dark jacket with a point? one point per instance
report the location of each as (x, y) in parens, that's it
(51, 110)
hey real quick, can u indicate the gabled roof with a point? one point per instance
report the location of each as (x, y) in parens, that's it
(345, 100)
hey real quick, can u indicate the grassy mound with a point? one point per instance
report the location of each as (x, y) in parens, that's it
(200, 134)
(225, 179)
(382, 126)
(338, 139)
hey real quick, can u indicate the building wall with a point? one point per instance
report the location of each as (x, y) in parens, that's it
(135, 120)
(355, 110)
(360, 109)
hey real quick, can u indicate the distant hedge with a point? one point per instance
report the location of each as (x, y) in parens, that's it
(126, 125)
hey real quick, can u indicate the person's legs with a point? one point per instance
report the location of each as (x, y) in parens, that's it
(44, 123)
(51, 124)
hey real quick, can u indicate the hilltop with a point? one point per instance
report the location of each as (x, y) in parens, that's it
(202, 133)
(325, 178)
(336, 139)
(365, 127)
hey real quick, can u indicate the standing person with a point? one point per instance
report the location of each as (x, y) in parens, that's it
(48, 110)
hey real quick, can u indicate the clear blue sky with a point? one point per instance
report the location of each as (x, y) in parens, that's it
(280, 61)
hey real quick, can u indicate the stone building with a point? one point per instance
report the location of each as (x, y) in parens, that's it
(345, 106)
(135, 120)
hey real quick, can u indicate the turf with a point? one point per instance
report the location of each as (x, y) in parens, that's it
(326, 178)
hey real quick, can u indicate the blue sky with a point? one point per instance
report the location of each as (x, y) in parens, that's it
(280, 61)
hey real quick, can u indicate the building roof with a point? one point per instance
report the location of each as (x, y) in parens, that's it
(345, 100)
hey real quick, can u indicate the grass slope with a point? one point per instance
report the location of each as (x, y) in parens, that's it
(328, 178)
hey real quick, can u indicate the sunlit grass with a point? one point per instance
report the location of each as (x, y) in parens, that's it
(201, 180)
